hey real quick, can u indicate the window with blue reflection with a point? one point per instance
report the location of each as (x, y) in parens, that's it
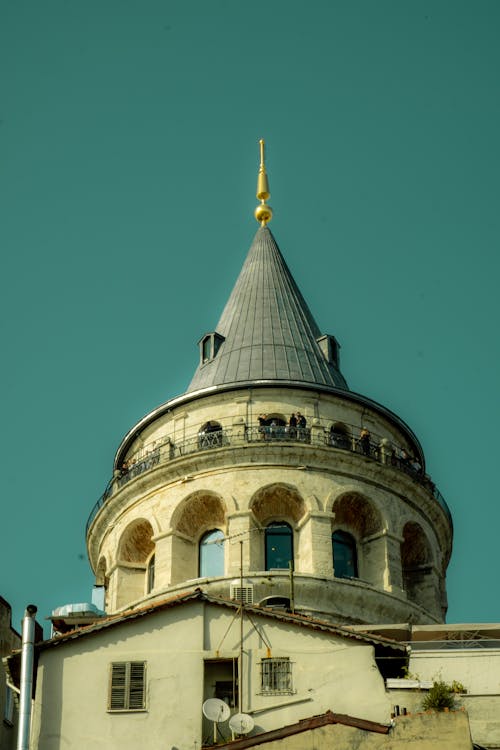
(345, 558)
(279, 545)
(150, 577)
(211, 554)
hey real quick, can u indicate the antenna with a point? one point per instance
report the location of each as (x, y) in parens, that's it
(217, 711)
(241, 724)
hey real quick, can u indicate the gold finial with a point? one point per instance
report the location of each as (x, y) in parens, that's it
(263, 212)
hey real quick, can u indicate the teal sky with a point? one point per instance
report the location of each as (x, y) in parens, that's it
(128, 161)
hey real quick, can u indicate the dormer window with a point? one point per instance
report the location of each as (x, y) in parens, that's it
(330, 348)
(209, 346)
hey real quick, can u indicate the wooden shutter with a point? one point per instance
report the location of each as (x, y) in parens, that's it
(127, 686)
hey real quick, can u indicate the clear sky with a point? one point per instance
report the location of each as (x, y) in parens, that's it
(128, 159)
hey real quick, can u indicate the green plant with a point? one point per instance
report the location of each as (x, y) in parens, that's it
(439, 697)
(457, 687)
(407, 675)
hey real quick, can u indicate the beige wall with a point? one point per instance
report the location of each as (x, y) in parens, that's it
(425, 732)
(71, 701)
(478, 670)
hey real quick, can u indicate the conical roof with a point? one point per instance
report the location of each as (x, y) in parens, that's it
(268, 330)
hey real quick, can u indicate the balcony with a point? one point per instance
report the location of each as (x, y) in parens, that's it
(372, 448)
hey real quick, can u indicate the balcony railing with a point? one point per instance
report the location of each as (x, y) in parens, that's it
(375, 448)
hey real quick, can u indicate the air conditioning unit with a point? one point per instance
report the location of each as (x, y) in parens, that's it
(243, 594)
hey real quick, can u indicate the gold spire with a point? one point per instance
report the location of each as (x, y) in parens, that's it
(263, 212)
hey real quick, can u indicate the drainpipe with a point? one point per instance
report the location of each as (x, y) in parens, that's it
(23, 736)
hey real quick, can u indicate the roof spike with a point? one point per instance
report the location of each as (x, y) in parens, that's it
(263, 212)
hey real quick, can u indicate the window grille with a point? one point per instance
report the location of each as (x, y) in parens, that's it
(276, 676)
(127, 686)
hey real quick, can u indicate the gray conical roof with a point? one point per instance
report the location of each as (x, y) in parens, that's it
(269, 332)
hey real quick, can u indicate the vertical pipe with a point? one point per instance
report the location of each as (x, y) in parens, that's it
(292, 587)
(240, 692)
(26, 686)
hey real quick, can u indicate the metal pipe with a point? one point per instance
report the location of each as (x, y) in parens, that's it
(26, 684)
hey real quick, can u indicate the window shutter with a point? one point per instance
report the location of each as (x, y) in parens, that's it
(117, 698)
(136, 692)
(127, 686)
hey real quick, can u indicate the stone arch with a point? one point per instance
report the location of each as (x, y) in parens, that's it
(340, 436)
(101, 572)
(200, 511)
(277, 501)
(135, 548)
(356, 514)
(136, 542)
(420, 579)
(101, 584)
(361, 519)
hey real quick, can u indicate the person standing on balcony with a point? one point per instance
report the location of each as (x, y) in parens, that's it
(292, 427)
(301, 425)
(364, 441)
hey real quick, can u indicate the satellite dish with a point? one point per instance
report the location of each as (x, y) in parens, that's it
(241, 723)
(216, 710)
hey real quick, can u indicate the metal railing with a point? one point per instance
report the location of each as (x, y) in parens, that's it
(375, 448)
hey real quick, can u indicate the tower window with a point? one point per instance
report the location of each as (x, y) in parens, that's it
(211, 554)
(209, 346)
(345, 559)
(127, 686)
(150, 580)
(279, 545)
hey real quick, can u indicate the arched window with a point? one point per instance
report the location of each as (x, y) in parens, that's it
(211, 555)
(210, 435)
(339, 436)
(150, 575)
(345, 558)
(279, 545)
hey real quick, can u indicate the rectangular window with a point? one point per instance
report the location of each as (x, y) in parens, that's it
(276, 676)
(9, 706)
(127, 686)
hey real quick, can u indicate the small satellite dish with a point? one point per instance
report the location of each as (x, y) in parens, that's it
(216, 710)
(241, 723)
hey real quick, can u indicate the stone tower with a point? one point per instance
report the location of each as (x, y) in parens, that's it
(329, 513)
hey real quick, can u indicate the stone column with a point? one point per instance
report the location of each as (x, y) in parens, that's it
(381, 562)
(238, 434)
(317, 433)
(314, 548)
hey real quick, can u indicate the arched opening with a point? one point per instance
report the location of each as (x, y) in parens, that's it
(211, 554)
(419, 579)
(150, 574)
(361, 522)
(277, 501)
(135, 549)
(278, 545)
(198, 512)
(210, 435)
(272, 426)
(345, 555)
(276, 602)
(340, 436)
(100, 591)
